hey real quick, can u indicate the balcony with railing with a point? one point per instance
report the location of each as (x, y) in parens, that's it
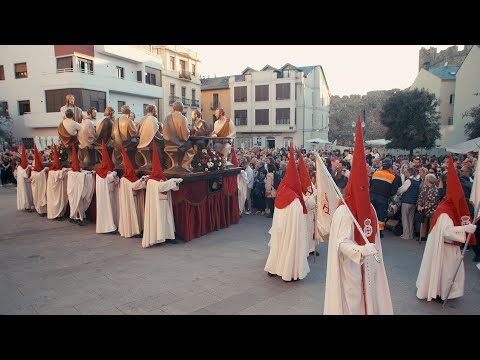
(186, 102)
(172, 99)
(85, 77)
(195, 103)
(240, 121)
(184, 74)
(79, 70)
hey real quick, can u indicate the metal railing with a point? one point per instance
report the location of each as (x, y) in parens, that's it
(185, 101)
(283, 121)
(240, 121)
(75, 70)
(240, 99)
(195, 103)
(88, 72)
(184, 74)
(172, 99)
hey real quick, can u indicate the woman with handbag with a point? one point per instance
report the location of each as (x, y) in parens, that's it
(427, 203)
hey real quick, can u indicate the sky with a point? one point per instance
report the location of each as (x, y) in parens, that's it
(349, 69)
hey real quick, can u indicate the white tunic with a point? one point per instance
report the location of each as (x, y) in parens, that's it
(39, 190)
(80, 193)
(71, 126)
(159, 224)
(343, 289)
(86, 136)
(57, 197)
(288, 248)
(132, 207)
(242, 183)
(107, 203)
(24, 190)
(440, 261)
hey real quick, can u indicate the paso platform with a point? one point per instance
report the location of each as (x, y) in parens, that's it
(205, 202)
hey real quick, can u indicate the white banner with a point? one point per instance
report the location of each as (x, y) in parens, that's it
(327, 199)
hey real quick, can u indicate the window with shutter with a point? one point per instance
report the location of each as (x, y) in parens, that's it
(64, 64)
(261, 93)
(261, 117)
(21, 71)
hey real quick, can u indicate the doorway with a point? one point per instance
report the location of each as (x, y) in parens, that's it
(271, 143)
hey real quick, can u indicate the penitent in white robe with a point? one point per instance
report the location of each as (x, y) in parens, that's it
(39, 190)
(439, 262)
(159, 224)
(107, 203)
(57, 198)
(242, 182)
(80, 193)
(24, 190)
(132, 207)
(311, 204)
(288, 248)
(343, 289)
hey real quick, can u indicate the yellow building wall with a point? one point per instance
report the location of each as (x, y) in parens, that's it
(207, 101)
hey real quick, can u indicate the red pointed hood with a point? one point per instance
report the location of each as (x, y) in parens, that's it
(157, 172)
(129, 173)
(75, 164)
(304, 177)
(38, 159)
(56, 161)
(290, 187)
(24, 163)
(106, 163)
(357, 194)
(454, 204)
(234, 157)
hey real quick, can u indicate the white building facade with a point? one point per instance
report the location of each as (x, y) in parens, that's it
(34, 80)
(273, 108)
(180, 78)
(440, 81)
(467, 94)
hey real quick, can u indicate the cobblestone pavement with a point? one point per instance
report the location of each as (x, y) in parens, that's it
(53, 267)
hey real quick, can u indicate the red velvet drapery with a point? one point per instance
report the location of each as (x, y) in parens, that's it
(198, 212)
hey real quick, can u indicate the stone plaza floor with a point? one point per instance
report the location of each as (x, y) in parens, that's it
(55, 267)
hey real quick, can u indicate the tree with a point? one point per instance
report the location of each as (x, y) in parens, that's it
(411, 119)
(5, 123)
(472, 128)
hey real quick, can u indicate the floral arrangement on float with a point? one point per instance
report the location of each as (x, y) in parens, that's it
(208, 160)
(62, 153)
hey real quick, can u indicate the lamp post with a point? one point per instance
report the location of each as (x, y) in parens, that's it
(354, 124)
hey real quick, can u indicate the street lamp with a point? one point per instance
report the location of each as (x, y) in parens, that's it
(354, 124)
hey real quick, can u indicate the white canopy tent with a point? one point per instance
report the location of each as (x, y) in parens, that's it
(380, 142)
(463, 148)
(318, 141)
